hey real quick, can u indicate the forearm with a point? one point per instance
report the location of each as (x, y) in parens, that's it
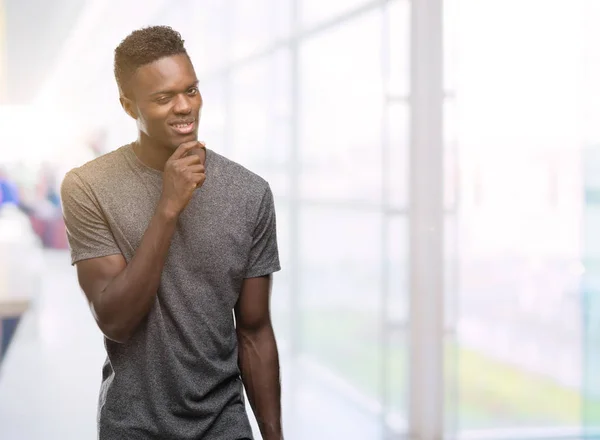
(128, 298)
(259, 365)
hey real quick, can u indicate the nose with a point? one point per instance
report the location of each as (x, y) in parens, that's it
(183, 106)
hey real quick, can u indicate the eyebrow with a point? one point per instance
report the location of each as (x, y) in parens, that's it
(170, 92)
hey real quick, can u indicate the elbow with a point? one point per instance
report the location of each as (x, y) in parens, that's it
(111, 326)
(116, 333)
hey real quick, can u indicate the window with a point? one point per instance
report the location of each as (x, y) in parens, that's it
(260, 118)
(315, 11)
(519, 341)
(207, 38)
(213, 118)
(340, 293)
(341, 112)
(257, 24)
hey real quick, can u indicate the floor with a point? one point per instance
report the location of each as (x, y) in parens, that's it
(50, 377)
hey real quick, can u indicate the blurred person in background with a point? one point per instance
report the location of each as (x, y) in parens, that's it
(172, 241)
(41, 204)
(9, 192)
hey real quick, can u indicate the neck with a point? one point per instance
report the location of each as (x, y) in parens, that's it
(150, 153)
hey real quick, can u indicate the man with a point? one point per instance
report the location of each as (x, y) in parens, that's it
(170, 239)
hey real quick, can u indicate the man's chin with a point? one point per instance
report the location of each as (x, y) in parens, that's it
(176, 142)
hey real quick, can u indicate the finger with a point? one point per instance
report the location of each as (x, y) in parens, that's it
(184, 148)
(199, 149)
(196, 168)
(192, 159)
(199, 179)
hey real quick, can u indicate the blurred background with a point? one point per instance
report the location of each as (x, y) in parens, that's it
(436, 167)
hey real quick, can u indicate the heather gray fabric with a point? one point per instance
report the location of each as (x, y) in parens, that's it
(177, 377)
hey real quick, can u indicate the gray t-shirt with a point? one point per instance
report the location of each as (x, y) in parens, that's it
(177, 377)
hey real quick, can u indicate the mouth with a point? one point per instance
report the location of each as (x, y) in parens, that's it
(184, 127)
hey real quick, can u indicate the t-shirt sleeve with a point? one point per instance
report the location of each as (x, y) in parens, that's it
(88, 233)
(264, 254)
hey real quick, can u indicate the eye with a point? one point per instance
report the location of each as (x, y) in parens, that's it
(163, 99)
(193, 91)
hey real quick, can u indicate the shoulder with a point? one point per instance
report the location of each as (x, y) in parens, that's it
(237, 177)
(100, 170)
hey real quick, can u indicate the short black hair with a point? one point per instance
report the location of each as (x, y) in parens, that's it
(144, 46)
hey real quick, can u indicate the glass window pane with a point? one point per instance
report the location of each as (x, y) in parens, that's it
(280, 298)
(207, 37)
(398, 17)
(212, 124)
(451, 53)
(260, 130)
(341, 294)
(315, 11)
(451, 175)
(394, 346)
(590, 290)
(397, 158)
(341, 112)
(519, 236)
(173, 17)
(256, 24)
(396, 363)
(451, 270)
(398, 282)
(591, 62)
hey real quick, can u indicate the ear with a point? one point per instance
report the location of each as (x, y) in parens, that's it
(128, 106)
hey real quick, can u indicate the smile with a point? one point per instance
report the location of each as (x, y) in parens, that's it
(184, 128)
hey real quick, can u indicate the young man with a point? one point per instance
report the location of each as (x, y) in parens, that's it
(170, 239)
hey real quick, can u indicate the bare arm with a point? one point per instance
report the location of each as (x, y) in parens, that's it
(120, 294)
(258, 356)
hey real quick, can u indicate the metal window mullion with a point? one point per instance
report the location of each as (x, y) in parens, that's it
(426, 227)
(227, 75)
(385, 336)
(294, 207)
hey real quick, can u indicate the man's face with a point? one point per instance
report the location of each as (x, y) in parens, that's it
(166, 100)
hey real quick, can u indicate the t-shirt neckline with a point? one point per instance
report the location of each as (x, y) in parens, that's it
(142, 166)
